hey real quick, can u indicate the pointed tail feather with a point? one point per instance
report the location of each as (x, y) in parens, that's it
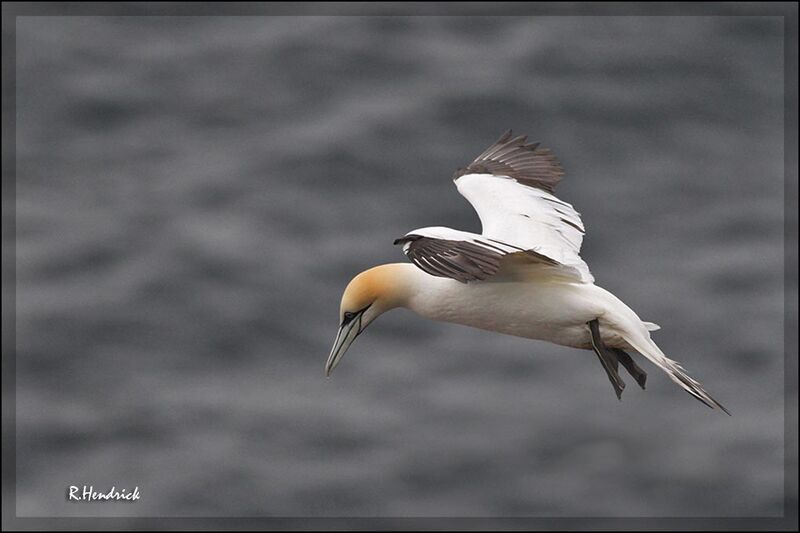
(674, 370)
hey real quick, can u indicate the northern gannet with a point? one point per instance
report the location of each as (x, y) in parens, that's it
(521, 276)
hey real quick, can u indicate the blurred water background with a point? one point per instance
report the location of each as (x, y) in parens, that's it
(194, 193)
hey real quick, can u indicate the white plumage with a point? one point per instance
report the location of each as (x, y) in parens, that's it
(530, 218)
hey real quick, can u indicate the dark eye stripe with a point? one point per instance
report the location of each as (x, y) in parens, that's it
(349, 315)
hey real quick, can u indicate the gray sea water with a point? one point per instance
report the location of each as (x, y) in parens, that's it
(193, 194)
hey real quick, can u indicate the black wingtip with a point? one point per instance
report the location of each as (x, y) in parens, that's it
(513, 157)
(505, 136)
(406, 238)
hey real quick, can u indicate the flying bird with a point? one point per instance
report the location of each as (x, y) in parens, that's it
(522, 276)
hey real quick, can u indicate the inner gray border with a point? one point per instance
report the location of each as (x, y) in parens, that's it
(788, 10)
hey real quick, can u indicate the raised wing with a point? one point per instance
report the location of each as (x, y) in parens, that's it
(529, 164)
(462, 256)
(510, 185)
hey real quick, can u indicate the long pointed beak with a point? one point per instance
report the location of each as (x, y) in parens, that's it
(347, 334)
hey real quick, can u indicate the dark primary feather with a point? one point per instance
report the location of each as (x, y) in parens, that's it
(527, 163)
(460, 260)
(463, 261)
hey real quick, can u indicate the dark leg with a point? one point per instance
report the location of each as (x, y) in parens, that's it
(607, 358)
(630, 365)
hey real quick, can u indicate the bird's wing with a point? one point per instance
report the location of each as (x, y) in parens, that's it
(464, 256)
(511, 186)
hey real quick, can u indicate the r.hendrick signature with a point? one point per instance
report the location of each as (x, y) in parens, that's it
(88, 494)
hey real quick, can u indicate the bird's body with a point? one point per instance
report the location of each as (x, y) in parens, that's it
(522, 276)
(553, 310)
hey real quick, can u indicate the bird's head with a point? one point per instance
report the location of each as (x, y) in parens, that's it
(367, 296)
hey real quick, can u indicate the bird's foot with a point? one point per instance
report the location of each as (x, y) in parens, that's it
(608, 358)
(630, 365)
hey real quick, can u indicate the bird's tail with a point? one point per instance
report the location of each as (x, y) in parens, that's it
(636, 333)
(642, 343)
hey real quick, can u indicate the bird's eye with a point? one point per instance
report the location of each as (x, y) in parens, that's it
(348, 316)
